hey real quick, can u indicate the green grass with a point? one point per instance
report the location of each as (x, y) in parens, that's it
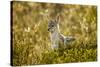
(31, 40)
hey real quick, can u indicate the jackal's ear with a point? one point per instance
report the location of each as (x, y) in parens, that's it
(58, 18)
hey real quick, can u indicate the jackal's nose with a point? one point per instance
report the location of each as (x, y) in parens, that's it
(48, 29)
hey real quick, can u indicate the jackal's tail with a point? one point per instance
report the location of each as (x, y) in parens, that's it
(68, 39)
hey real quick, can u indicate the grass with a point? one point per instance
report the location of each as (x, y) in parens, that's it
(31, 41)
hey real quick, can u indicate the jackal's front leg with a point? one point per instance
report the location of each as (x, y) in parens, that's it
(54, 45)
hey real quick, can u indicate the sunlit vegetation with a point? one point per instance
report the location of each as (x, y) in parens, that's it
(31, 40)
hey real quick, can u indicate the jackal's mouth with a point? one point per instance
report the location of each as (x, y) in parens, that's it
(50, 30)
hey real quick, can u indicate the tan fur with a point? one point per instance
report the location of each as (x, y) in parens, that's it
(57, 39)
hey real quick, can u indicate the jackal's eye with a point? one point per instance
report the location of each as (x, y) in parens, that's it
(52, 25)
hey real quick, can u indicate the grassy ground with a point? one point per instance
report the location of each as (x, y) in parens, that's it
(31, 41)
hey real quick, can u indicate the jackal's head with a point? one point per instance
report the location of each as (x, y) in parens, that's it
(53, 25)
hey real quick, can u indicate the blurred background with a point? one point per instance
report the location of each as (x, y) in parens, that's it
(30, 37)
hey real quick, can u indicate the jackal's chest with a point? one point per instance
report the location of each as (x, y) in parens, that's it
(56, 37)
(56, 40)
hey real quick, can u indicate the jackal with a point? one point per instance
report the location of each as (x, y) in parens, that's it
(57, 39)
